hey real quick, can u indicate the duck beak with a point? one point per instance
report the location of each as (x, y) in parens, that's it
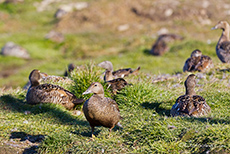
(87, 92)
(213, 28)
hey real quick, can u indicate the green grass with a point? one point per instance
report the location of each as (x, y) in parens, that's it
(144, 106)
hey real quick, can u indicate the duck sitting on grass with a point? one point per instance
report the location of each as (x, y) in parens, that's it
(49, 93)
(190, 104)
(198, 62)
(115, 79)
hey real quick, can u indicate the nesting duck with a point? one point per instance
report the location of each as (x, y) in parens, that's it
(49, 93)
(160, 46)
(190, 104)
(115, 79)
(100, 110)
(197, 62)
(223, 45)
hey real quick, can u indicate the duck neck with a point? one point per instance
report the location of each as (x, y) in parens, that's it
(34, 83)
(225, 35)
(190, 91)
(101, 95)
(108, 75)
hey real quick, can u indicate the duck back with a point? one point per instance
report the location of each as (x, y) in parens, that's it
(101, 111)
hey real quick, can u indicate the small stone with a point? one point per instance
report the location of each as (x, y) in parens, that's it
(80, 5)
(55, 36)
(11, 49)
(162, 31)
(122, 28)
(168, 12)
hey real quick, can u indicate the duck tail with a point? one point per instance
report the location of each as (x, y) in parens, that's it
(136, 70)
(78, 101)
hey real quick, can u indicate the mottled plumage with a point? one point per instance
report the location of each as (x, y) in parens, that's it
(49, 93)
(198, 62)
(190, 104)
(115, 79)
(45, 78)
(121, 73)
(223, 45)
(100, 110)
(160, 46)
(117, 84)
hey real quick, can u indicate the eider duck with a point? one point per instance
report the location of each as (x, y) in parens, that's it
(49, 93)
(160, 47)
(100, 110)
(121, 73)
(190, 104)
(223, 45)
(197, 62)
(113, 80)
(117, 84)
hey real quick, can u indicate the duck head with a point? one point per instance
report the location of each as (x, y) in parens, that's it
(71, 67)
(34, 77)
(196, 53)
(106, 65)
(190, 84)
(95, 88)
(221, 25)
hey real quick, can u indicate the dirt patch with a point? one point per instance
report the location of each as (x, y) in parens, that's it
(21, 142)
(139, 15)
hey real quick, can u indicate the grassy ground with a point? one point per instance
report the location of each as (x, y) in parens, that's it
(145, 106)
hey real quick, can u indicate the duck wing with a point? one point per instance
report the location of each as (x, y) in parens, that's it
(122, 72)
(225, 46)
(56, 94)
(205, 62)
(112, 103)
(190, 105)
(189, 65)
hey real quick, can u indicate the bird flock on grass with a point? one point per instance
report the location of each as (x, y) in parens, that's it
(103, 111)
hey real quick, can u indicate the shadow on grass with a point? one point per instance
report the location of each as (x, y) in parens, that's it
(157, 106)
(97, 130)
(10, 103)
(87, 133)
(209, 120)
(147, 52)
(27, 140)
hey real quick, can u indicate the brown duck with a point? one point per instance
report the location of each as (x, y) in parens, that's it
(223, 45)
(190, 104)
(121, 73)
(198, 62)
(160, 46)
(118, 83)
(49, 93)
(100, 110)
